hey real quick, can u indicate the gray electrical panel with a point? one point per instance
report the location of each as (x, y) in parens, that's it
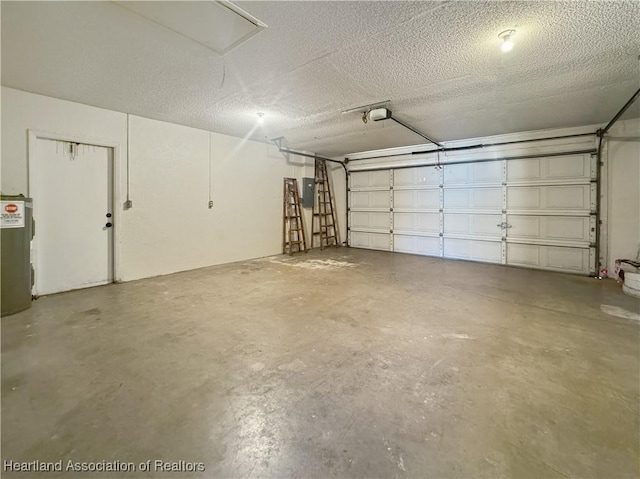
(15, 234)
(308, 190)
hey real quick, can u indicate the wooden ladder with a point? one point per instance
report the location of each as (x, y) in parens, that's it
(324, 218)
(293, 235)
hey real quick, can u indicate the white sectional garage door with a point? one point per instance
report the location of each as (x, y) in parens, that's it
(536, 212)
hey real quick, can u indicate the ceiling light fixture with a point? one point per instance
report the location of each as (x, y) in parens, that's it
(260, 117)
(507, 43)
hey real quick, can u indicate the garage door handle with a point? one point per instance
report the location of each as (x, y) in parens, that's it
(504, 225)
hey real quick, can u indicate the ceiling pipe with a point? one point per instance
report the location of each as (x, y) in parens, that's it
(399, 122)
(308, 155)
(278, 143)
(626, 106)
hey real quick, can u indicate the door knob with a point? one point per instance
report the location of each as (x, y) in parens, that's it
(109, 225)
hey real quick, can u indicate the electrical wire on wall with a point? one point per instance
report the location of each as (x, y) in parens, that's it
(599, 165)
(224, 73)
(128, 203)
(210, 180)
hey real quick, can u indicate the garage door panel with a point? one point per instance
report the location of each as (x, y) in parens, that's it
(416, 177)
(378, 241)
(370, 199)
(473, 173)
(556, 258)
(533, 212)
(487, 251)
(577, 167)
(416, 199)
(471, 224)
(418, 222)
(553, 228)
(422, 245)
(473, 198)
(370, 220)
(370, 179)
(557, 198)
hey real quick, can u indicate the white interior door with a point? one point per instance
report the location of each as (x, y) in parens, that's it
(73, 210)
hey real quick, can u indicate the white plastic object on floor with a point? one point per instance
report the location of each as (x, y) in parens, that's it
(631, 284)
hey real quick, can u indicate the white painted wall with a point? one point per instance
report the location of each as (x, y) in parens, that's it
(623, 186)
(170, 227)
(23, 111)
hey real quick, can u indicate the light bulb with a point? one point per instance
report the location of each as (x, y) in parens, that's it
(260, 118)
(507, 46)
(507, 43)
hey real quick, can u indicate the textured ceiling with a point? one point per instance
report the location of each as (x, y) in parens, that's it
(574, 63)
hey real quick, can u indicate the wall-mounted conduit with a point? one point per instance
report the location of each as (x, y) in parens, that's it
(128, 203)
(210, 204)
(601, 133)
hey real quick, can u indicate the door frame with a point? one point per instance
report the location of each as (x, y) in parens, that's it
(114, 145)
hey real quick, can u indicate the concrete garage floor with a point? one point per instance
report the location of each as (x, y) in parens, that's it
(342, 363)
